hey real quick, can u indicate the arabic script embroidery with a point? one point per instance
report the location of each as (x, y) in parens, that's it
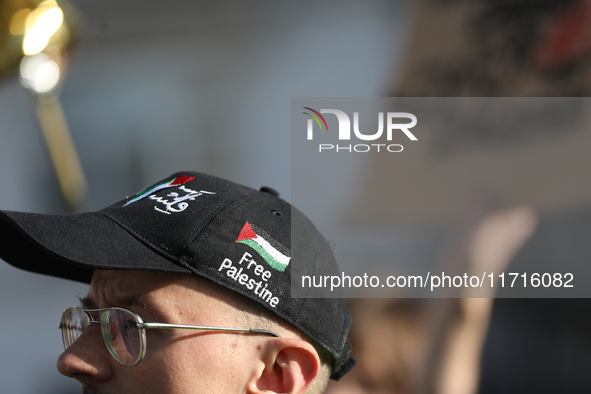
(177, 202)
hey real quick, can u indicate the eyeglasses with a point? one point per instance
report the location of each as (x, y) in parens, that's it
(124, 332)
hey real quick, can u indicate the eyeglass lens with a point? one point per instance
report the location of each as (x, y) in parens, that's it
(119, 330)
(122, 336)
(74, 322)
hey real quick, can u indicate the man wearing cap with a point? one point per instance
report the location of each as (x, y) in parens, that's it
(190, 291)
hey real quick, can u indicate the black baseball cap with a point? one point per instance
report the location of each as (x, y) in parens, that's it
(244, 239)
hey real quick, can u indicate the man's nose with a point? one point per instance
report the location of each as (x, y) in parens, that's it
(87, 359)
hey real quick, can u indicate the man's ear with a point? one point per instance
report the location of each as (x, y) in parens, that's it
(288, 366)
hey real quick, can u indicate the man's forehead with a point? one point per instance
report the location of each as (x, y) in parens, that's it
(132, 287)
(129, 286)
(169, 297)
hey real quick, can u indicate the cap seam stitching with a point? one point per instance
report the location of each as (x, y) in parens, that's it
(145, 241)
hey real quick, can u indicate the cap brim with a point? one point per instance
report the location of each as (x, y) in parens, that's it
(73, 246)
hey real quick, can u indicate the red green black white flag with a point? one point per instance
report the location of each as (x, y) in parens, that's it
(181, 180)
(273, 252)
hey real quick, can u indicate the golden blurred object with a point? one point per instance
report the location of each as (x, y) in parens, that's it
(28, 27)
(17, 22)
(44, 22)
(63, 152)
(34, 38)
(40, 73)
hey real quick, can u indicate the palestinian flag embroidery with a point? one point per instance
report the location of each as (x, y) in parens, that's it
(274, 253)
(181, 180)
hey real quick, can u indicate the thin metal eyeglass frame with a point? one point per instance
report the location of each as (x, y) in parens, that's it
(145, 326)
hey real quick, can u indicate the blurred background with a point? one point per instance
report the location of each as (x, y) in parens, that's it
(149, 88)
(100, 99)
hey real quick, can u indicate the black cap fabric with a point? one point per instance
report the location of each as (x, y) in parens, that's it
(192, 223)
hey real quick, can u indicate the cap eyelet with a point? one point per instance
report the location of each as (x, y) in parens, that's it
(276, 212)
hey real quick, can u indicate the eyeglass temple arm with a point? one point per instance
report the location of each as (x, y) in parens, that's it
(205, 328)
